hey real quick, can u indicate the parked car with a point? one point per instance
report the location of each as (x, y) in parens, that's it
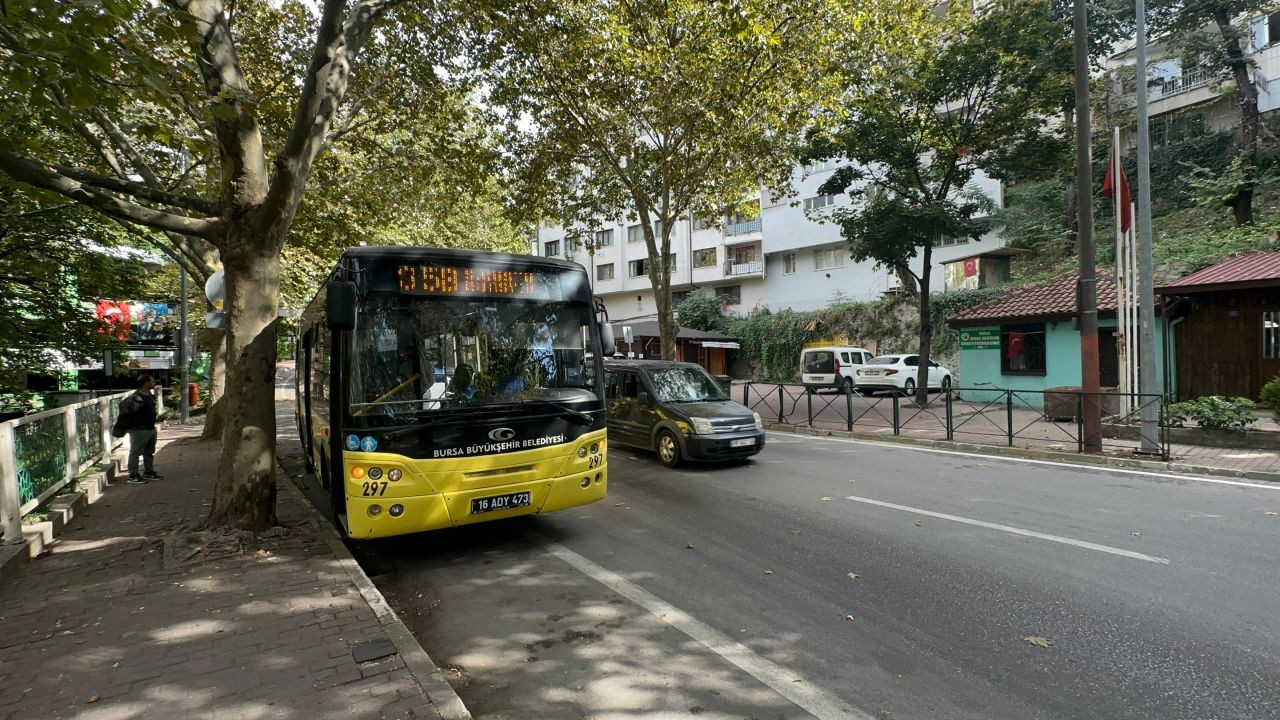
(898, 373)
(677, 410)
(831, 367)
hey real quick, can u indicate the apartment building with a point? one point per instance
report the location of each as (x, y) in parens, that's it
(778, 254)
(1183, 99)
(726, 260)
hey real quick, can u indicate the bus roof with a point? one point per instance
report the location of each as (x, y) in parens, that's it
(405, 252)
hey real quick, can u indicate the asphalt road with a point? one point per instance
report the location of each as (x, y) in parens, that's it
(725, 592)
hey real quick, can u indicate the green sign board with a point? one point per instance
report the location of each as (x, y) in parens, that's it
(985, 339)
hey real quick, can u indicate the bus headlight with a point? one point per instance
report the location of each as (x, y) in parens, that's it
(582, 451)
(759, 422)
(396, 510)
(394, 474)
(702, 426)
(595, 448)
(375, 510)
(375, 473)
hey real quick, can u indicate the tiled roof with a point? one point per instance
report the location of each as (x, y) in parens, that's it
(1055, 298)
(1254, 269)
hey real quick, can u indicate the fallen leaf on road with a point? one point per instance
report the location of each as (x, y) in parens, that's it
(1136, 534)
(768, 572)
(619, 504)
(848, 617)
(689, 546)
(1038, 641)
(797, 532)
(854, 576)
(1272, 513)
(826, 499)
(919, 523)
(94, 698)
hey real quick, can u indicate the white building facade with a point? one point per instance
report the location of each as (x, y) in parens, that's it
(781, 258)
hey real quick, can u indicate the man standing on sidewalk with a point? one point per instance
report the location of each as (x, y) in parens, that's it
(138, 416)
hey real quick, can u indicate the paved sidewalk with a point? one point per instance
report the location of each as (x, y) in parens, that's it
(123, 621)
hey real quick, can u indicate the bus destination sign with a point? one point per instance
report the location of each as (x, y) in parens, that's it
(471, 281)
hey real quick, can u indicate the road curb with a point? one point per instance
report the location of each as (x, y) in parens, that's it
(1030, 454)
(423, 669)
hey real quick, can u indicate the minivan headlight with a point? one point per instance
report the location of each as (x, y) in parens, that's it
(702, 426)
(759, 422)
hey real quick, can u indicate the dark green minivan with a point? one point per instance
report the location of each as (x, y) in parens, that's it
(677, 410)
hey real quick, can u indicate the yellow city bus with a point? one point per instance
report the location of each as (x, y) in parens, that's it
(439, 388)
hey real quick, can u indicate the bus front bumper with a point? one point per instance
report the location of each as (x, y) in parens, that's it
(369, 518)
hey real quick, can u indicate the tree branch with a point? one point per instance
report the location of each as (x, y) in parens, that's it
(138, 190)
(338, 43)
(36, 174)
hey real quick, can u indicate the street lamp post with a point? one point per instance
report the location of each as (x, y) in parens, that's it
(1087, 290)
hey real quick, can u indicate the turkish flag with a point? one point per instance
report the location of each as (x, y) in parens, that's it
(1109, 191)
(1014, 348)
(970, 267)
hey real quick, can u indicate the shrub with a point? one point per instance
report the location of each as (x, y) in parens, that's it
(1271, 396)
(701, 311)
(1213, 412)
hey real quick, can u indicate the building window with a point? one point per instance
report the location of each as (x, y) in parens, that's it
(818, 166)
(571, 245)
(704, 258)
(827, 259)
(1022, 349)
(700, 223)
(635, 233)
(1271, 334)
(789, 264)
(949, 241)
(729, 295)
(604, 272)
(604, 238)
(552, 248)
(743, 255)
(819, 202)
(641, 267)
(679, 296)
(657, 229)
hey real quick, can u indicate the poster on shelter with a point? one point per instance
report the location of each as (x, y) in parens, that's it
(137, 323)
(116, 318)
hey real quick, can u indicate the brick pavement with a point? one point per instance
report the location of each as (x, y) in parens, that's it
(102, 628)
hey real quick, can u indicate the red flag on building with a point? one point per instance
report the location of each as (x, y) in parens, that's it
(970, 267)
(1126, 200)
(1013, 350)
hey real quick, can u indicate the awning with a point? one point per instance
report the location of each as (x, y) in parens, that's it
(719, 344)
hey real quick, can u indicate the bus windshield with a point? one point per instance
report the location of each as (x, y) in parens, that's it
(418, 357)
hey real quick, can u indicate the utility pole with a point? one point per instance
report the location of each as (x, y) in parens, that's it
(1087, 290)
(184, 362)
(1150, 410)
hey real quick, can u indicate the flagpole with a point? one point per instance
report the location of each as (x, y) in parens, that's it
(1121, 331)
(1147, 299)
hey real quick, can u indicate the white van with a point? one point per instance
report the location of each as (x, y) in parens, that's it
(831, 367)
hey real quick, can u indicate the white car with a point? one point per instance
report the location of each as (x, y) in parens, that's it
(831, 367)
(898, 373)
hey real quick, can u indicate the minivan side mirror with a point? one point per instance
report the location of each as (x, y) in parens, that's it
(340, 305)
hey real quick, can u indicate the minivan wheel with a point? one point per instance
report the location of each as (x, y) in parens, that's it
(668, 448)
(848, 385)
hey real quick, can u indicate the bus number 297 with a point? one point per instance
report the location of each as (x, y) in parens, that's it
(374, 489)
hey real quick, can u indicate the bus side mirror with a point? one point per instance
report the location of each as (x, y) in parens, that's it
(340, 305)
(607, 344)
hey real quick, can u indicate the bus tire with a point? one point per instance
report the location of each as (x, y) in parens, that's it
(667, 445)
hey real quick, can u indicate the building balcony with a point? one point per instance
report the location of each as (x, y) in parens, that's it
(742, 233)
(1185, 82)
(753, 268)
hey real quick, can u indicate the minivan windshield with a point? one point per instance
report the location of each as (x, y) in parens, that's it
(819, 361)
(685, 384)
(885, 360)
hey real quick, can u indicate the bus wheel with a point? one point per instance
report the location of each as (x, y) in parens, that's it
(668, 448)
